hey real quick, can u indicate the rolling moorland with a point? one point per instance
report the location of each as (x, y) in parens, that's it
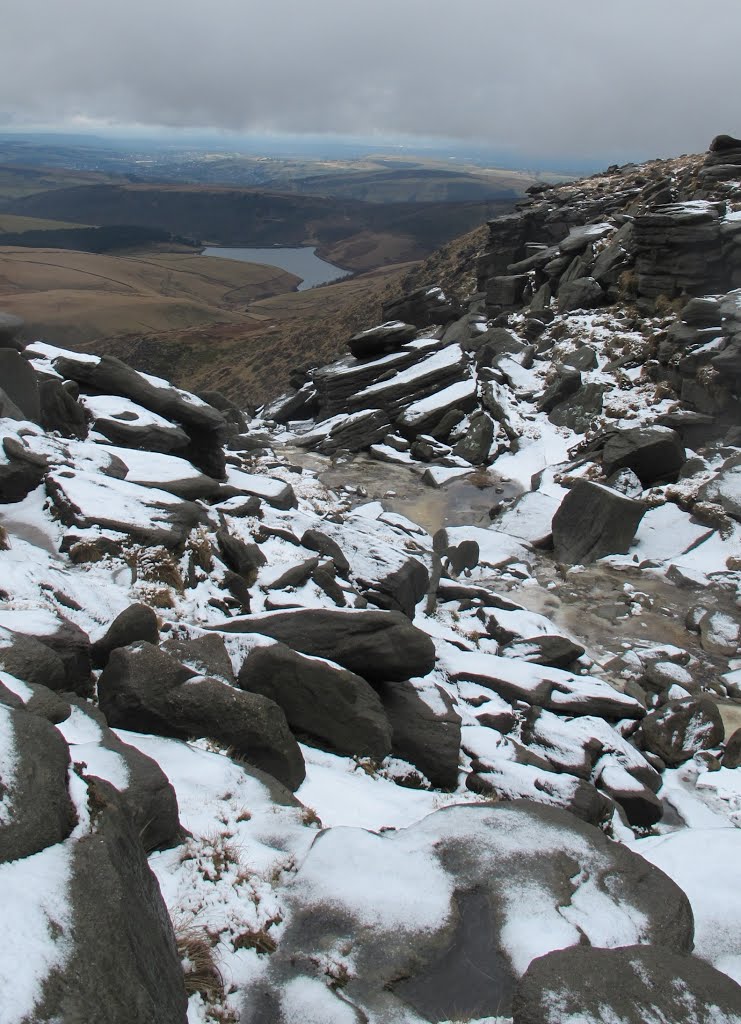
(94, 258)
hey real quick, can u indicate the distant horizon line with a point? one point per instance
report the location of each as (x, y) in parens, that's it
(501, 155)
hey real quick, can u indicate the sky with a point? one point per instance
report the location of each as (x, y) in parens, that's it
(558, 78)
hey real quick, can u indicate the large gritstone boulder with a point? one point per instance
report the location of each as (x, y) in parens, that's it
(593, 521)
(439, 920)
(21, 471)
(653, 453)
(120, 960)
(375, 645)
(681, 728)
(632, 985)
(137, 622)
(19, 382)
(35, 807)
(331, 707)
(146, 690)
(423, 307)
(426, 730)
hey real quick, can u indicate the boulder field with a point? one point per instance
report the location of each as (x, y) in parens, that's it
(273, 751)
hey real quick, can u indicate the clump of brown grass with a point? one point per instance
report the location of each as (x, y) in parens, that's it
(200, 971)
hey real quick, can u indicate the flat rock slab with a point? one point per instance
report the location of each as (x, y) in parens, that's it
(634, 985)
(438, 921)
(113, 377)
(147, 514)
(126, 423)
(543, 686)
(378, 646)
(166, 472)
(384, 338)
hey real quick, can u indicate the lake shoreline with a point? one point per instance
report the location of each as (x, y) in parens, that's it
(300, 261)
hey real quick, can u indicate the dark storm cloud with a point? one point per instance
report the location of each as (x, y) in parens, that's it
(575, 77)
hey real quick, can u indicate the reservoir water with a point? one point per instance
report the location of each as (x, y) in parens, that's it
(303, 262)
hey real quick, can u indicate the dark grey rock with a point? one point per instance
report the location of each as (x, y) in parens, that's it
(146, 436)
(315, 540)
(476, 444)
(20, 383)
(37, 810)
(111, 376)
(401, 590)
(583, 358)
(146, 690)
(149, 796)
(158, 522)
(243, 558)
(556, 651)
(206, 655)
(376, 645)
(328, 706)
(423, 307)
(295, 576)
(28, 659)
(21, 473)
(725, 488)
(593, 521)
(581, 293)
(506, 291)
(60, 412)
(137, 622)
(732, 752)
(490, 860)
(72, 645)
(122, 962)
(578, 411)
(10, 327)
(427, 737)
(377, 341)
(633, 984)
(47, 704)
(566, 383)
(537, 782)
(301, 405)
(641, 806)
(702, 312)
(8, 409)
(625, 481)
(680, 728)
(653, 453)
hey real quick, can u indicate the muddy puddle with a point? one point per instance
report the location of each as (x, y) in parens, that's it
(467, 501)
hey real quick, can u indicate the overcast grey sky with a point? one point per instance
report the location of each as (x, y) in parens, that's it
(548, 77)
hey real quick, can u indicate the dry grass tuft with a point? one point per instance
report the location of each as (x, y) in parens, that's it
(201, 974)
